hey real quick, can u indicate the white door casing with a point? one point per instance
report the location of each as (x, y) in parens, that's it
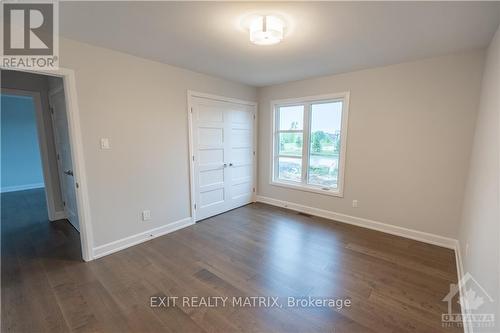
(223, 154)
(82, 194)
(63, 147)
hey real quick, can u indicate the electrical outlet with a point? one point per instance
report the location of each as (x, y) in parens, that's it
(355, 203)
(146, 215)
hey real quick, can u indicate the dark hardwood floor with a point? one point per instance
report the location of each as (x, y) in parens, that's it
(394, 284)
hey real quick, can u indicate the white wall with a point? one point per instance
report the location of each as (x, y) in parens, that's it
(409, 138)
(140, 105)
(480, 228)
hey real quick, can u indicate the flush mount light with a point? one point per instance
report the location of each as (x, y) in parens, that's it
(266, 30)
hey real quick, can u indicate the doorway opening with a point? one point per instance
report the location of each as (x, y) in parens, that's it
(38, 186)
(20, 154)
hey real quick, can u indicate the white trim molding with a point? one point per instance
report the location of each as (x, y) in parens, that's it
(193, 93)
(121, 244)
(21, 187)
(466, 311)
(425, 237)
(77, 154)
(421, 236)
(307, 103)
(59, 215)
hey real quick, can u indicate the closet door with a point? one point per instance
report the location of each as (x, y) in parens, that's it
(241, 155)
(210, 156)
(223, 160)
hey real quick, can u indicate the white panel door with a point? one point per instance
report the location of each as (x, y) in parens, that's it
(67, 180)
(210, 167)
(241, 158)
(223, 151)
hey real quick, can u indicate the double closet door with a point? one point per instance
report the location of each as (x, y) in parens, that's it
(223, 155)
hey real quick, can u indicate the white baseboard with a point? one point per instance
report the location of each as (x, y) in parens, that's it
(383, 227)
(21, 187)
(458, 257)
(425, 237)
(104, 250)
(58, 216)
(468, 328)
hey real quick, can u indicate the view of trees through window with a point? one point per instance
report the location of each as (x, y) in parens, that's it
(324, 143)
(291, 138)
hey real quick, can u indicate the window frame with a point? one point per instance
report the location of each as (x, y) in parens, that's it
(306, 135)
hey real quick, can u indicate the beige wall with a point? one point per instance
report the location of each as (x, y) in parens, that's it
(140, 105)
(480, 228)
(411, 123)
(409, 138)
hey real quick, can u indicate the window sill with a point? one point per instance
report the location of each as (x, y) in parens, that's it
(333, 193)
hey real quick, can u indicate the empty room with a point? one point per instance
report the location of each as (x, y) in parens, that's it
(250, 166)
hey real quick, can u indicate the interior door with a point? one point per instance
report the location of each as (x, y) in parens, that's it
(241, 155)
(61, 136)
(223, 160)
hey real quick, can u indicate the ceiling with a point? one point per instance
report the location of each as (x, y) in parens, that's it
(321, 38)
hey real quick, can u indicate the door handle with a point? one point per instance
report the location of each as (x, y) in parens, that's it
(225, 165)
(68, 172)
(230, 164)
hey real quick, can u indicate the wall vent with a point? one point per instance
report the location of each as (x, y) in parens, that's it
(304, 214)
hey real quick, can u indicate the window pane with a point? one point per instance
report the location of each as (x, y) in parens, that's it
(290, 169)
(291, 117)
(290, 144)
(326, 120)
(323, 171)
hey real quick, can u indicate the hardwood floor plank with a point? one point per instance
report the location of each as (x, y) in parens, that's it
(394, 284)
(45, 312)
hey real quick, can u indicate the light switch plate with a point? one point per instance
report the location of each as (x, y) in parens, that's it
(105, 143)
(146, 215)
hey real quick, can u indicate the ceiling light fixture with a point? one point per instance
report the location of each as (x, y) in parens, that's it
(266, 30)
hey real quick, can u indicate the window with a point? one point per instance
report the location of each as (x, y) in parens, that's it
(309, 143)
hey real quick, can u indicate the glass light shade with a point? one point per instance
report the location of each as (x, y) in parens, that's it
(266, 30)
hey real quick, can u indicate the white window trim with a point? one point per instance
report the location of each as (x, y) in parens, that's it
(306, 101)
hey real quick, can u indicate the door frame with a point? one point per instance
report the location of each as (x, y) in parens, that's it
(54, 215)
(50, 93)
(191, 94)
(77, 153)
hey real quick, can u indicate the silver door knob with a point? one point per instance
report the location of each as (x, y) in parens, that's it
(68, 172)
